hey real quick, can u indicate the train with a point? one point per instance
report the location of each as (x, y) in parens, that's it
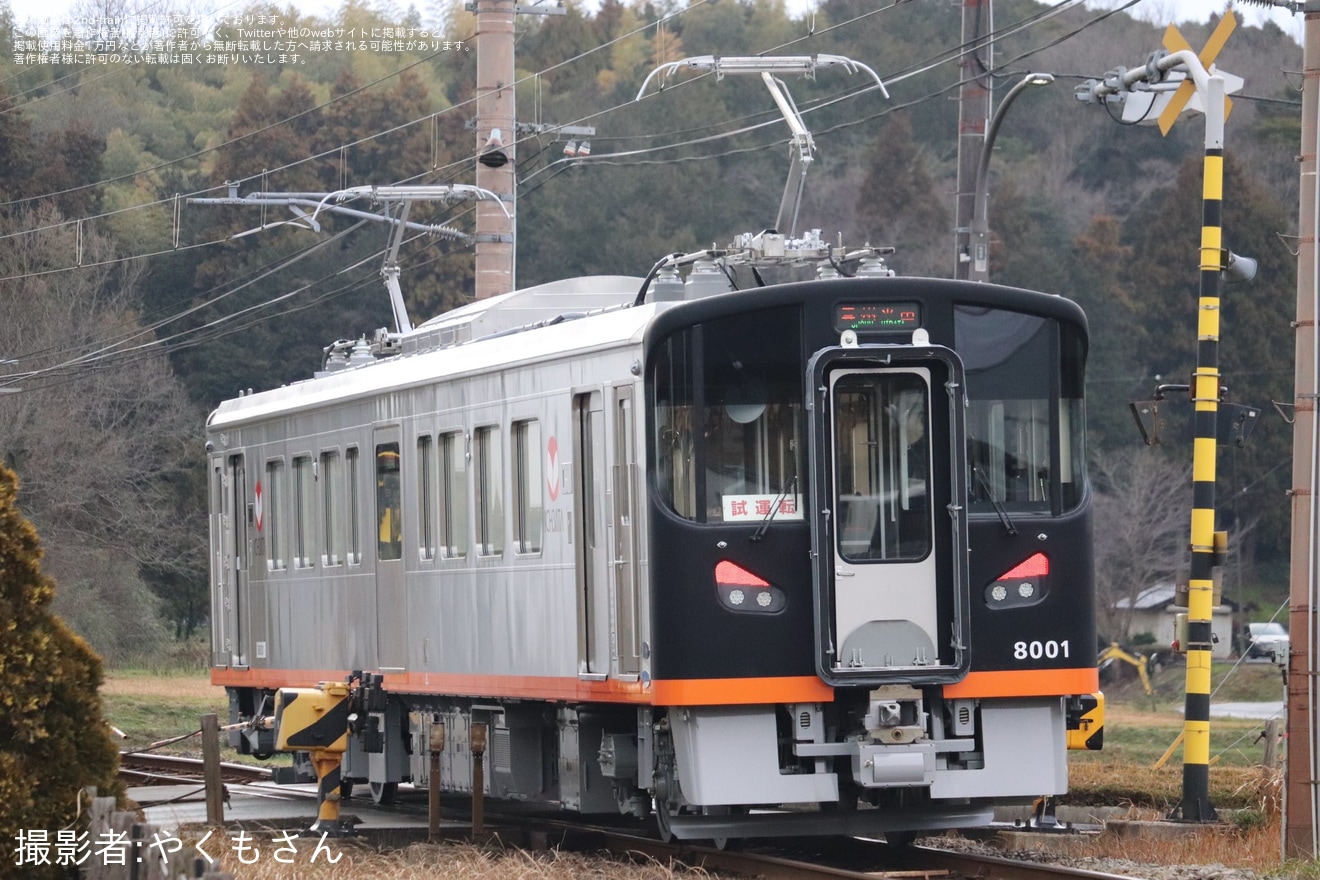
(812, 557)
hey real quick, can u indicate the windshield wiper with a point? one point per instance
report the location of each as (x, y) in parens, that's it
(774, 509)
(999, 508)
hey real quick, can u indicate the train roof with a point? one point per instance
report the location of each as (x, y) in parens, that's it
(468, 340)
(572, 316)
(571, 297)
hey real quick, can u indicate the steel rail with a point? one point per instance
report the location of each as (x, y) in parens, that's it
(179, 768)
(976, 865)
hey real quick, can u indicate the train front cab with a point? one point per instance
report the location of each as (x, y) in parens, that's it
(870, 561)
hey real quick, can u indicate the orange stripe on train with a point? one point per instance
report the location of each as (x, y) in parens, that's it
(1025, 683)
(667, 692)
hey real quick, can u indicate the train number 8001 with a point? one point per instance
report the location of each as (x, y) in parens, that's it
(1049, 650)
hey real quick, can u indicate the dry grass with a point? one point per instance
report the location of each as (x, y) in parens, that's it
(190, 686)
(1255, 845)
(1247, 835)
(444, 861)
(1122, 783)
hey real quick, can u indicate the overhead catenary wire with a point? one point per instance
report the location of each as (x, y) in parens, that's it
(911, 71)
(70, 370)
(300, 114)
(942, 58)
(898, 77)
(613, 158)
(195, 336)
(260, 272)
(115, 347)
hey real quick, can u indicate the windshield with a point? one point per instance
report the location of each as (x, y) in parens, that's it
(1024, 450)
(728, 424)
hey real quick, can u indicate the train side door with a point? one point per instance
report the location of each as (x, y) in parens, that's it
(232, 561)
(593, 553)
(391, 598)
(627, 624)
(891, 584)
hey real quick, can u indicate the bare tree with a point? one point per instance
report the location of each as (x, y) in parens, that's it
(1143, 504)
(99, 431)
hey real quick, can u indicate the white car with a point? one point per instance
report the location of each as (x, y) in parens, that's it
(1268, 641)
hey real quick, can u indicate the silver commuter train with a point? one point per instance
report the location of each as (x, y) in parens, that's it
(695, 551)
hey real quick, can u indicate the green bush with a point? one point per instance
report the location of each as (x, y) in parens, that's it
(53, 736)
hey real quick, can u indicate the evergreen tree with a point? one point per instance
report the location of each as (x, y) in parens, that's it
(895, 203)
(53, 736)
(1115, 371)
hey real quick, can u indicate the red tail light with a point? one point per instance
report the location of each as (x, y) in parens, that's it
(1035, 565)
(741, 591)
(1024, 584)
(731, 574)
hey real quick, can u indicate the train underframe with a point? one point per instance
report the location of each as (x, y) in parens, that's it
(893, 760)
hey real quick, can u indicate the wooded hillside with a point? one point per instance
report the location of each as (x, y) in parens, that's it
(130, 313)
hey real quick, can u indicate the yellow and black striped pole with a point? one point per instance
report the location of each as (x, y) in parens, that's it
(1195, 805)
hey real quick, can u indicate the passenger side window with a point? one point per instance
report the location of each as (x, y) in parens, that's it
(354, 498)
(389, 528)
(527, 482)
(304, 506)
(273, 516)
(453, 496)
(490, 492)
(425, 499)
(331, 509)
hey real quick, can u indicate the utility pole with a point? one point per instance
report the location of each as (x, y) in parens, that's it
(973, 111)
(1301, 800)
(497, 136)
(495, 147)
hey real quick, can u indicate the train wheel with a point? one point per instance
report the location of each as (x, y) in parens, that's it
(383, 792)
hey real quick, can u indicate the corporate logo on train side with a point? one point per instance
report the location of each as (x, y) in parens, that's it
(552, 455)
(256, 506)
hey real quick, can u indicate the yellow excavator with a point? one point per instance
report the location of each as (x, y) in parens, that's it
(1115, 653)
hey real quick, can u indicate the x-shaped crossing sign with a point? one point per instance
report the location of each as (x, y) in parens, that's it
(1174, 42)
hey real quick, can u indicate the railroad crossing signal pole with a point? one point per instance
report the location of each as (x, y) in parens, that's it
(1200, 82)
(1195, 805)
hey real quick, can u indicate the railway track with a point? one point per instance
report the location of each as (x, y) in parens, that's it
(830, 859)
(799, 859)
(139, 768)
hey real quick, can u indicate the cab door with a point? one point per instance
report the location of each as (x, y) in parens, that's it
(888, 523)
